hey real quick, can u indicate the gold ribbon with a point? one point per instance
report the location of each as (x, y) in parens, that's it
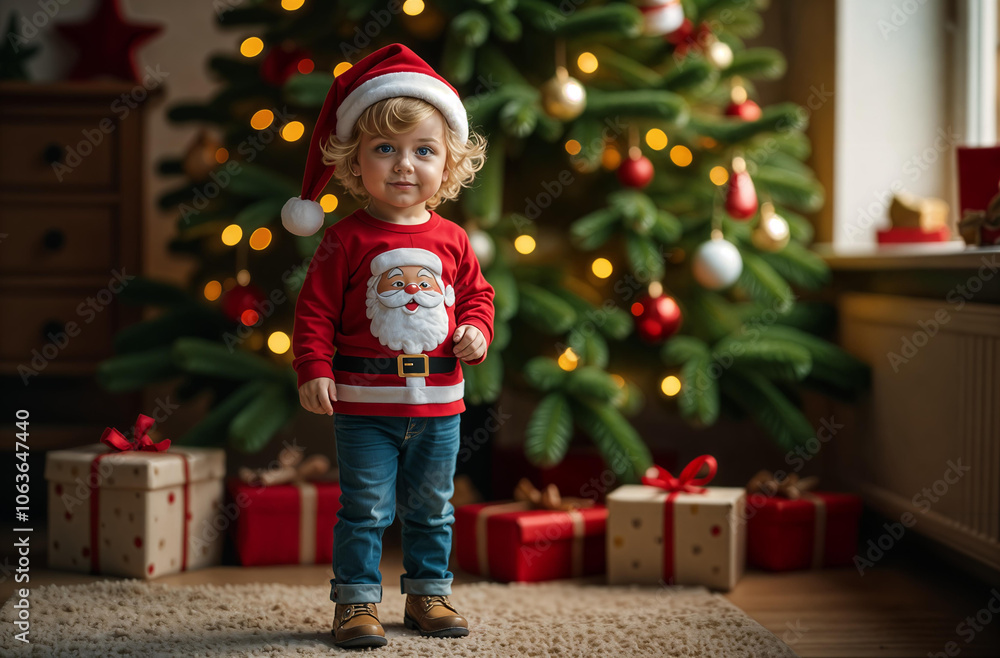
(794, 488)
(528, 497)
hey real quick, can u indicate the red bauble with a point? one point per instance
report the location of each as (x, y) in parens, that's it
(747, 110)
(281, 63)
(687, 36)
(106, 44)
(657, 318)
(741, 198)
(636, 172)
(241, 298)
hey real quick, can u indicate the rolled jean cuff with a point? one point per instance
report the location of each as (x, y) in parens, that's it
(355, 593)
(425, 586)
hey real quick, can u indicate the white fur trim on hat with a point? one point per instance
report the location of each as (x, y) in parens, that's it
(406, 256)
(402, 83)
(302, 216)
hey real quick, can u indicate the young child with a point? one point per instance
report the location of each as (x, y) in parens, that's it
(397, 290)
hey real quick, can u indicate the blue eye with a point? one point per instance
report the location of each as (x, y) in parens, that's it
(425, 148)
(379, 148)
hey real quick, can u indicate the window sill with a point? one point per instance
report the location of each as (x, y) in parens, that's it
(938, 255)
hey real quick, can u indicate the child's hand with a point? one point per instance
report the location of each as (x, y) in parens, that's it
(316, 395)
(470, 344)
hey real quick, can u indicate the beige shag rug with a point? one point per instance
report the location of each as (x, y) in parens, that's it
(569, 618)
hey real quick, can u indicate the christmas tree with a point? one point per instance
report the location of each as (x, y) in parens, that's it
(640, 218)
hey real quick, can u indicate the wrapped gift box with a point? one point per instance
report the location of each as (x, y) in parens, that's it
(818, 530)
(511, 542)
(659, 537)
(135, 513)
(284, 523)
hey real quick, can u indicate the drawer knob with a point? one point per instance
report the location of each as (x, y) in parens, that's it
(52, 327)
(53, 153)
(54, 239)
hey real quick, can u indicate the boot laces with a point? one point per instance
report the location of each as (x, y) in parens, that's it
(433, 600)
(354, 609)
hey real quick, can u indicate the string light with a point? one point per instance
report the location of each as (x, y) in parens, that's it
(291, 5)
(587, 62)
(292, 130)
(260, 238)
(306, 66)
(249, 317)
(718, 175)
(619, 380)
(573, 147)
(568, 360)
(261, 119)
(670, 386)
(413, 7)
(329, 202)
(213, 289)
(525, 244)
(602, 268)
(278, 342)
(656, 139)
(231, 235)
(243, 277)
(221, 155)
(340, 68)
(229, 283)
(251, 47)
(611, 158)
(681, 155)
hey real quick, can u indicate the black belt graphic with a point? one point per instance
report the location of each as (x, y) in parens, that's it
(404, 365)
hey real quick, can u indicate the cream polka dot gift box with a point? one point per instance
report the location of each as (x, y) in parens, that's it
(672, 531)
(137, 509)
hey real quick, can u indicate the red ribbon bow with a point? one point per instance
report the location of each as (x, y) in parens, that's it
(117, 441)
(657, 476)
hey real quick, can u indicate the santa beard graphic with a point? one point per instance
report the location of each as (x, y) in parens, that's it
(411, 331)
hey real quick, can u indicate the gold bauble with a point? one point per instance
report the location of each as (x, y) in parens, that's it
(199, 161)
(563, 97)
(772, 232)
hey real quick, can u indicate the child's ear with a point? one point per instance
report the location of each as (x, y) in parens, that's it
(444, 176)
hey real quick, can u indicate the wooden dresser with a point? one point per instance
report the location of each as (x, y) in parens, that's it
(71, 208)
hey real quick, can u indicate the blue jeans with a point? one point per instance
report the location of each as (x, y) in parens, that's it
(391, 464)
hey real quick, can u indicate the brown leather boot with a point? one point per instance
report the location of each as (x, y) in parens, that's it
(356, 625)
(434, 616)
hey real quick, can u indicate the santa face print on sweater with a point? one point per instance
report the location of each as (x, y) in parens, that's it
(408, 301)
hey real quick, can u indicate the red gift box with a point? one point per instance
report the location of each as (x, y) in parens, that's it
(909, 234)
(818, 530)
(511, 542)
(284, 523)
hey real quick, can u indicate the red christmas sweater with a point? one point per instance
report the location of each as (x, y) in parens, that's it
(375, 289)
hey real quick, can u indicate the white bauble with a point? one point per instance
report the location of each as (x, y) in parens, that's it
(717, 264)
(482, 246)
(662, 18)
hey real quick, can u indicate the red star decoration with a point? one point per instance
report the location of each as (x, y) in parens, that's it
(106, 43)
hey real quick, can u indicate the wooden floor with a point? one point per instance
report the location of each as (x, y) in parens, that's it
(910, 604)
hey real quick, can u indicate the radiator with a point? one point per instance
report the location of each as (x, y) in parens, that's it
(927, 442)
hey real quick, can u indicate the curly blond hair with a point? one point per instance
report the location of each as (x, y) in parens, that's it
(395, 116)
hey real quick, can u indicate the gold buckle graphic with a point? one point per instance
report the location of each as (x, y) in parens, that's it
(411, 360)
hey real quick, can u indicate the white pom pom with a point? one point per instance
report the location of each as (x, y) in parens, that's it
(302, 216)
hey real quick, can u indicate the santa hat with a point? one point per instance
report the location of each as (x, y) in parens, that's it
(404, 256)
(392, 71)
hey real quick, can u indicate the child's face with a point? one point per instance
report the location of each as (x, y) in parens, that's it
(417, 157)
